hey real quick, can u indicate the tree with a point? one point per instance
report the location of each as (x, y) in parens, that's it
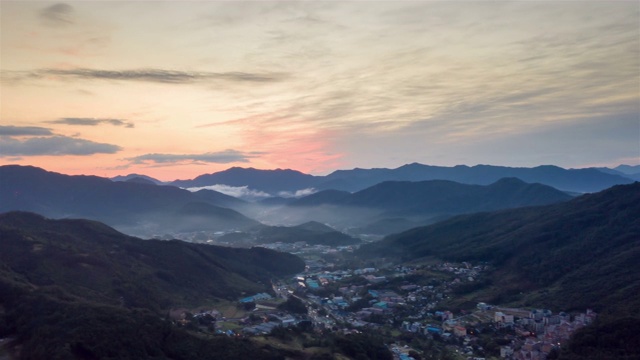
(293, 305)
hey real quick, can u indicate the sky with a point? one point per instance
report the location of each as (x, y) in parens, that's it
(175, 89)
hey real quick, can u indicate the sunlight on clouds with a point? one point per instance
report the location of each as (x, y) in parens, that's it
(308, 84)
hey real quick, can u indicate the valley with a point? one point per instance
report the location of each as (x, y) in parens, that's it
(509, 270)
(319, 180)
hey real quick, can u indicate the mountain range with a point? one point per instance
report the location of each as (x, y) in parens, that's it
(133, 207)
(415, 203)
(571, 255)
(287, 181)
(631, 172)
(144, 209)
(270, 181)
(440, 196)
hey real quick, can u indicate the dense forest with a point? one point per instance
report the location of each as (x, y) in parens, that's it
(78, 289)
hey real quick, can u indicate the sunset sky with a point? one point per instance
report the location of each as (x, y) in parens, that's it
(177, 89)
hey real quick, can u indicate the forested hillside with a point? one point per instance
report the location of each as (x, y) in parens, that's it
(80, 289)
(573, 255)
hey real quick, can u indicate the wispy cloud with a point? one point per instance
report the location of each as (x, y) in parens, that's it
(92, 122)
(241, 192)
(57, 15)
(298, 193)
(220, 157)
(11, 130)
(54, 146)
(146, 75)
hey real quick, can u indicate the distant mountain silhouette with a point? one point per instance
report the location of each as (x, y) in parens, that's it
(140, 208)
(576, 180)
(136, 176)
(631, 172)
(628, 169)
(452, 197)
(572, 255)
(417, 203)
(271, 181)
(276, 181)
(140, 180)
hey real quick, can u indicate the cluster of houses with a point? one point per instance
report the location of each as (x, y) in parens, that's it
(256, 298)
(301, 248)
(463, 270)
(383, 302)
(544, 331)
(533, 333)
(541, 330)
(275, 320)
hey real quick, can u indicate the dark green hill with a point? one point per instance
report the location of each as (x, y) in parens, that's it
(573, 255)
(91, 260)
(78, 289)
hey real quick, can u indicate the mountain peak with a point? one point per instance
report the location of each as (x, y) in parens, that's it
(510, 181)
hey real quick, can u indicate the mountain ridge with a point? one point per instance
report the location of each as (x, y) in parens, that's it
(418, 202)
(126, 205)
(274, 181)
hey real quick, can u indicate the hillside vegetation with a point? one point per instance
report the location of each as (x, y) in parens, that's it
(80, 289)
(573, 255)
(91, 260)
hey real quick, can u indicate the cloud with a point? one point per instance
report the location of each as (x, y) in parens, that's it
(57, 15)
(91, 122)
(146, 75)
(241, 192)
(298, 193)
(24, 131)
(220, 157)
(54, 146)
